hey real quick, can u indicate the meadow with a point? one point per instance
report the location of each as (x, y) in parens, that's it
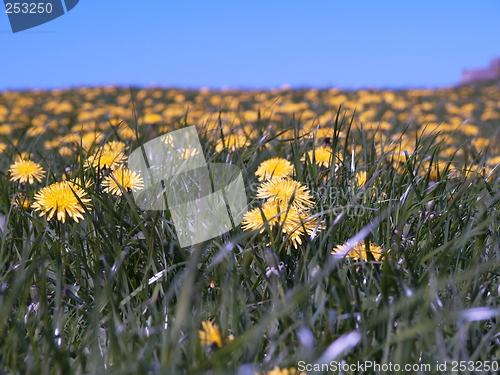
(372, 234)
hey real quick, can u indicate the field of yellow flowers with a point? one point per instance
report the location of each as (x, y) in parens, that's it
(372, 234)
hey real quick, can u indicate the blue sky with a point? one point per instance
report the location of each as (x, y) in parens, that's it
(253, 44)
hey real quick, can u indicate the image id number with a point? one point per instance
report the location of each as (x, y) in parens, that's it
(28, 8)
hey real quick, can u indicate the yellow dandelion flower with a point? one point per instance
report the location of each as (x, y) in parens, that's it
(296, 237)
(186, 153)
(359, 251)
(273, 169)
(494, 161)
(5, 129)
(168, 139)
(480, 143)
(115, 146)
(26, 171)
(210, 335)
(122, 177)
(23, 156)
(283, 190)
(127, 133)
(296, 224)
(21, 201)
(115, 121)
(66, 151)
(321, 155)
(90, 139)
(253, 219)
(469, 130)
(437, 169)
(152, 118)
(294, 221)
(232, 142)
(83, 184)
(106, 158)
(49, 145)
(3, 147)
(361, 178)
(61, 198)
(396, 151)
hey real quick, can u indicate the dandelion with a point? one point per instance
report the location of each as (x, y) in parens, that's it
(26, 171)
(188, 152)
(469, 130)
(361, 178)
(122, 177)
(152, 118)
(294, 222)
(210, 335)
(284, 190)
(494, 161)
(168, 139)
(116, 146)
(23, 156)
(437, 170)
(396, 152)
(54, 143)
(67, 151)
(322, 156)
(21, 201)
(89, 139)
(106, 158)
(85, 183)
(5, 129)
(253, 219)
(359, 251)
(127, 133)
(232, 142)
(62, 198)
(480, 143)
(274, 168)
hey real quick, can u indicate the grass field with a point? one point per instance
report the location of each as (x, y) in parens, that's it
(372, 235)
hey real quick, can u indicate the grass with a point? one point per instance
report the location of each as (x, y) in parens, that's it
(115, 294)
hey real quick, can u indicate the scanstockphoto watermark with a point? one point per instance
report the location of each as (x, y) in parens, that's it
(363, 366)
(205, 200)
(25, 15)
(372, 366)
(354, 202)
